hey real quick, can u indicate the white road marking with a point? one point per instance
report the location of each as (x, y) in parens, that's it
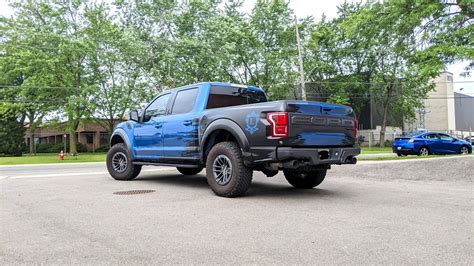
(50, 164)
(77, 174)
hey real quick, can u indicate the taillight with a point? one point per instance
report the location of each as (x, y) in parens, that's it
(279, 124)
(356, 126)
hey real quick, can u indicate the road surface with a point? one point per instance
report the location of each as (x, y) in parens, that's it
(410, 212)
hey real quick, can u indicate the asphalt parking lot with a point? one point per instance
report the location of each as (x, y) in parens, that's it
(408, 212)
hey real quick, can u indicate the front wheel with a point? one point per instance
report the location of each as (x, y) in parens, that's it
(225, 170)
(119, 164)
(305, 179)
(464, 150)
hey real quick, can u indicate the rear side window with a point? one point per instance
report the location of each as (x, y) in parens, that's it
(184, 102)
(431, 136)
(223, 96)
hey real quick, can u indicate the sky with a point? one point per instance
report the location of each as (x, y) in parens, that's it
(305, 8)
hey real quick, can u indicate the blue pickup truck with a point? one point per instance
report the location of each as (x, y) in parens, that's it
(233, 130)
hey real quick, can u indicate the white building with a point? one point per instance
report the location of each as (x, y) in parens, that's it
(439, 111)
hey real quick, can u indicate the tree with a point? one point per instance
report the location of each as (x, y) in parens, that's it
(269, 52)
(12, 130)
(444, 28)
(51, 53)
(114, 63)
(371, 45)
(27, 68)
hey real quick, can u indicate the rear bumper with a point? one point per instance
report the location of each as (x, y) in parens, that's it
(317, 156)
(311, 156)
(402, 149)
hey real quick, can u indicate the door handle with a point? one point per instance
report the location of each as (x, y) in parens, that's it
(187, 122)
(158, 125)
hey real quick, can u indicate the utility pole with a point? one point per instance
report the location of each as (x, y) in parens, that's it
(300, 61)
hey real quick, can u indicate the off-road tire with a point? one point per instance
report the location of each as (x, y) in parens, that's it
(241, 176)
(131, 170)
(305, 179)
(189, 171)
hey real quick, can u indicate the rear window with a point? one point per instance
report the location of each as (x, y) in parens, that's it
(223, 96)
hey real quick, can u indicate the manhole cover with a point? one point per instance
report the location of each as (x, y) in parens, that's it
(133, 192)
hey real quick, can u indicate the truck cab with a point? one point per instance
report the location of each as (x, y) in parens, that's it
(233, 130)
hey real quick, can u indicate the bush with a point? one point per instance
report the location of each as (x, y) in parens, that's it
(81, 147)
(103, 149)
(388, 143)
(50, 148)
(12, 133)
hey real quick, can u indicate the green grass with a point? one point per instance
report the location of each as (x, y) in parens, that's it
(372, 150)
(53, 158)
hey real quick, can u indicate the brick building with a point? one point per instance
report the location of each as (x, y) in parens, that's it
(90, 134)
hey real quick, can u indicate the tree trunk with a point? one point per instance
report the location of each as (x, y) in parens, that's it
(32, 142)
(71, 130)
(384, 119)
(383, 127)
(72, 141)
(111, 129)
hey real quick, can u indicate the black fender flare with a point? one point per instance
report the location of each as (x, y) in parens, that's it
(121, 133)
(235, 130)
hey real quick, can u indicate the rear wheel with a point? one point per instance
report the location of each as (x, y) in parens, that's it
(189, 171)
(424, 151)
(464, 150)
(120, 165)
(225, 170)
(305, 179)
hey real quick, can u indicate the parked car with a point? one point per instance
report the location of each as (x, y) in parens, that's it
(232, 130)
(470, 139)
(430, 143)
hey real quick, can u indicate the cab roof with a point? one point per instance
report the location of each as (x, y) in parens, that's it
(223, 84)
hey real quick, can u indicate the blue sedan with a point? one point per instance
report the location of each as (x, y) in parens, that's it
(430, 143)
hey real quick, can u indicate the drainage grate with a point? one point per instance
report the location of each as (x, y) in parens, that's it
(133, 192)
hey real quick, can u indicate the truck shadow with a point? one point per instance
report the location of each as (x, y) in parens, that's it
(258, 189)
(269, 190)
(197, 181)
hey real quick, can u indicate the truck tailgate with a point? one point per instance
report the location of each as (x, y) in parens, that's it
(320, 124)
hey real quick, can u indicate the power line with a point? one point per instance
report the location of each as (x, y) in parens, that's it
(316, 96)
(31, 101)
(215, 47)
(400, 82)
(3, 86)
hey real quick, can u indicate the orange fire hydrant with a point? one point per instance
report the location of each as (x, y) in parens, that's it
(61, 155)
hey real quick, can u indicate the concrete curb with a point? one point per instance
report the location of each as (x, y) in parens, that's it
(375, 155)
(413, 160)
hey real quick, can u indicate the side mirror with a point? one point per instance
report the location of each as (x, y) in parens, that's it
(134, 115)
